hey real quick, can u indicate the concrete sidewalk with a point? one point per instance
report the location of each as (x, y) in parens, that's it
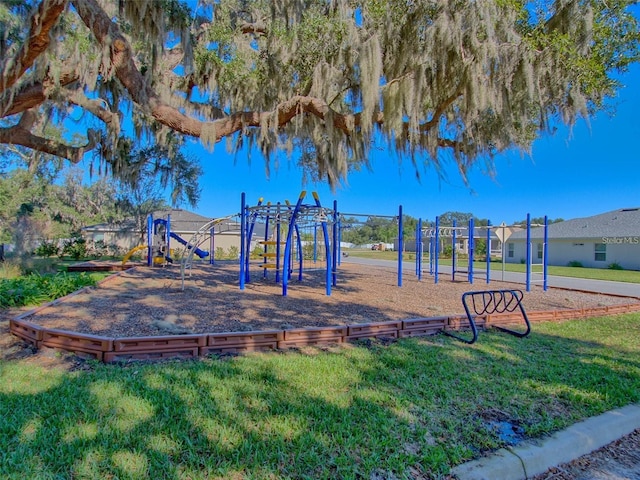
(584, 284)
(537, 456)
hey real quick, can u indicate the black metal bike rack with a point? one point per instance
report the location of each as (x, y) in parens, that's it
(489, 302)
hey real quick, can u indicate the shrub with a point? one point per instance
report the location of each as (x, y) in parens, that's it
(34, 288)
(10, 270)
(615, 266)
(76, 248)
(575, 263)
(219, 253)
(234, 253)
(257, 251)
(47, 248)
(99, 249)
(307, 251)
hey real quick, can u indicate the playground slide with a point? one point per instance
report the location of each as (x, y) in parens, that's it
(197, 251)
(131, 252)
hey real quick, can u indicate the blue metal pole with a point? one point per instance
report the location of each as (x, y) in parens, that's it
(243, 224)
(400, 245)
(419, 249)
(329, 261)
(149, 239)
(336, 249)
(528, 275)
(168, 238)
(338, 225)
(471, 249)
(545, 255)
(251, 223)
(278, 232)
(300, 254)
(288, 246)
(432, 248)
(437, 249)
(488, 251)
(265, 248)
(453, 252)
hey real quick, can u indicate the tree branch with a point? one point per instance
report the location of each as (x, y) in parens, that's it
(30, 96)
(257, 28)
(440, 109)
(77, 97)
(123, 65)
(19, 135)
(38, 40)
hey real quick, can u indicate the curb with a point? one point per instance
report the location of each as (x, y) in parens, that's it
(530, 459)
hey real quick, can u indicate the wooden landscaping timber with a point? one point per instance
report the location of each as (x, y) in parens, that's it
(244, 338)
(506, 318)
(370, 330)
(420, 327)
(378, 335)
(163, 343)
(153, 354)
(422, 323)
(594, 311)
(249, 347)
(457, 322)
(615, 309)
(76, 341)
(302, 334)
(419, 332)
(310, 342)
(566, 314)
(26, 330)
(540, 316)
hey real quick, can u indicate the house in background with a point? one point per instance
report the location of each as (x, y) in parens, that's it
(595, 242)
(183, 223)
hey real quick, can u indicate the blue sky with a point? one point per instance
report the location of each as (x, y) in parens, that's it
(594, 169)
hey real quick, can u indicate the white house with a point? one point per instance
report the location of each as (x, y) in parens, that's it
(596, 242)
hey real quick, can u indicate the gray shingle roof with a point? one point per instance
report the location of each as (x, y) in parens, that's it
(624, 222)
(182, 220)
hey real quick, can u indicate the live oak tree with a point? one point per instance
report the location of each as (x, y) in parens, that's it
(326, 80)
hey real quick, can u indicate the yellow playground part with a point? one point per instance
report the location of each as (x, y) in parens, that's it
(131, 252)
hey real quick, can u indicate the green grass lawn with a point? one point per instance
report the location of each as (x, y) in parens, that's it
(418, 405)
(630, 276)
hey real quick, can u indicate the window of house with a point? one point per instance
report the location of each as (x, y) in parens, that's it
(510, 250)
(539, 249)
(600, 252)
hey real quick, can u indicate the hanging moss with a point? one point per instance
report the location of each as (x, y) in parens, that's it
(438, 80)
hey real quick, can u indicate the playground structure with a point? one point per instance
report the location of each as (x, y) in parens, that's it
(159, 242)
(535, 272)
(132, 252)
(293, 237)
(350, 220)
(159, 237)
(206, 232)
(290, 232)
(285, 226)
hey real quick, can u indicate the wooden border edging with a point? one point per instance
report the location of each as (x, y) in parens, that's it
(199, 345)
